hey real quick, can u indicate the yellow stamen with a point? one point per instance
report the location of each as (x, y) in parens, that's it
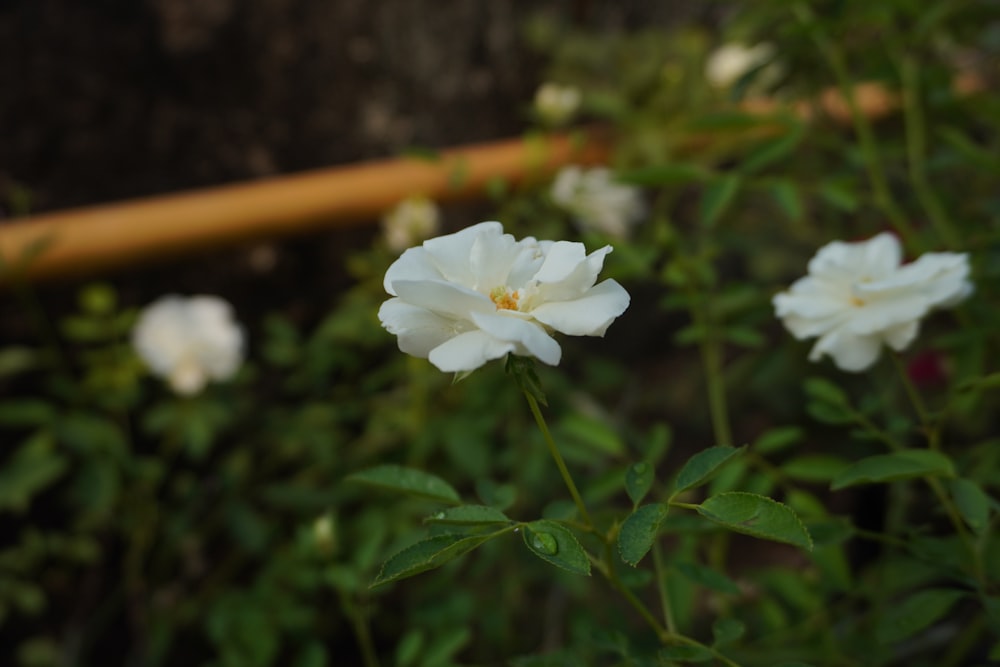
(503, 299)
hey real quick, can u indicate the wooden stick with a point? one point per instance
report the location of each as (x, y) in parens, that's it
(99, 238)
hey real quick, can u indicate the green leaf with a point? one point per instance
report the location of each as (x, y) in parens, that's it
(840, 195)
(700, 467)
(32, 468)
(686, 654)
(915, 613)
(555, 544)
(777, 439)
(823, 390)
(883, 468)
(26, 412)
(727, 630)
(407, 480)
(638, 532)
(788, 199)
(638, 480)
(718, 195)
(814, 467)
(972, 503)
(758, 516)
(709, 578)
(427, 555)
(772, 150)
(469, 515)
(664, 174)
(591, 433)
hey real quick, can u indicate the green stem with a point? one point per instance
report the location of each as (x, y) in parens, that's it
(661, 587)
(711, 359)
(557, 457)
(359, 624)
(931, 432)
(863, 129)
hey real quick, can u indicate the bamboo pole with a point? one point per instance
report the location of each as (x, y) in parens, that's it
(100, 238)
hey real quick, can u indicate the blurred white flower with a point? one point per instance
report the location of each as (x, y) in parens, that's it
(596, 201)
(556, 104)
(189, 341)
(411, 221)
(858, 296)
(463, 299)
(728, 63)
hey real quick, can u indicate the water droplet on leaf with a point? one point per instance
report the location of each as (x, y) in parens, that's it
(545, 543)
(439, 515)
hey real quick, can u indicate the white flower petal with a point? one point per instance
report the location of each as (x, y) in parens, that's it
(419, 331)
(849, 352)
(444, 298)
(468, 351)
(900, 336)
(413, 264)
(590, 315)
(529, 337)
(452, 253)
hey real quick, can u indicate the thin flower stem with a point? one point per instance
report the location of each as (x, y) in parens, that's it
(931, 432)
(862, 127)
(557, 457)
(362, 633)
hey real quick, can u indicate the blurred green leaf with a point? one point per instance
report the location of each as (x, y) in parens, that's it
(972, 502)
(814, 467)
(700, 467)
(638, 532)
(840, 195)
(883, 468)
(906, 618)
(727, 630)
(786, 195)
(407, 480)
(708, 577)
(26, 412)
(666, 174)
(686, 654)
(719, 194)
(32, 468)
(555, 544)
(772, 150)
(757, 516)
(777, 439)
(638, 480)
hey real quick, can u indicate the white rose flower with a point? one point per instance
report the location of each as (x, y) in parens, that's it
(728, 63)
(409, 222)
(556, 104)
(189, 341)
(463, 299)
(858, 296)
(596, 201)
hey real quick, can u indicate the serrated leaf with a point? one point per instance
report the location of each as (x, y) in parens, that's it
(638, 480)
(972, 503)
(758, 516)
(407, 480)
(555, 544)
(638, 532)
(883, 468)
(700, 467)
(727, 630)
(427, 555)
(717, 197)
(915, 613)
(664, 174)
(469, 515)
(707, 577)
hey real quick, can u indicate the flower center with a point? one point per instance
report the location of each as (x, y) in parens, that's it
(504, 298)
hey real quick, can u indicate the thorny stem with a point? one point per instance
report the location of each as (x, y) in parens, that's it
(862, 127)
(557, 457)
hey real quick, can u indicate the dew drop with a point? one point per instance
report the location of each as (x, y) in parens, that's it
(545, 543)
(439, 515)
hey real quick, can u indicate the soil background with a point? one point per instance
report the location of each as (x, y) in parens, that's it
(107, 100)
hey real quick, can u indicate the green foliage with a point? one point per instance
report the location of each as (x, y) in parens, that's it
(339, 502)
